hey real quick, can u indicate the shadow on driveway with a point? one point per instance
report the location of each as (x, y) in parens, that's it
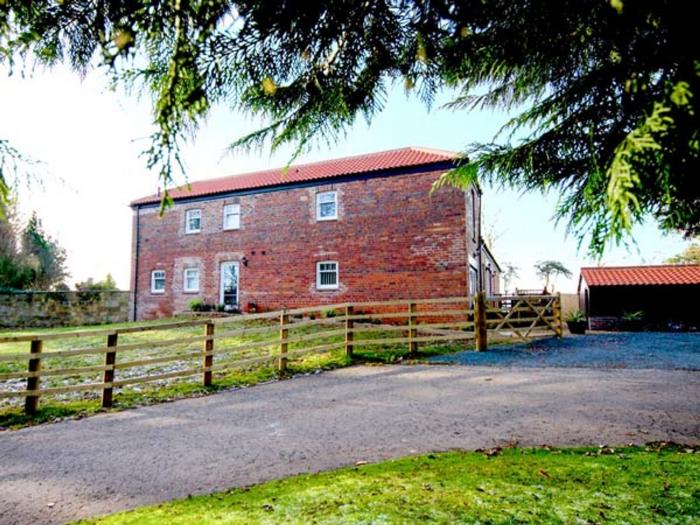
(638, 350)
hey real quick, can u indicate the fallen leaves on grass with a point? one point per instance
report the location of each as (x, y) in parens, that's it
(490, 452)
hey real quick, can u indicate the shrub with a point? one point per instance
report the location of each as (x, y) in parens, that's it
(197, 305)
(107, 284)
(576, 317)
(330, 313)
(633, 316)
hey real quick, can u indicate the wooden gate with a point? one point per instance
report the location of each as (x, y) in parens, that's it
(519, 316)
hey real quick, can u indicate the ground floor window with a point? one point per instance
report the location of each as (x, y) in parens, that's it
(473, 280)
(327, 275)
(158, 281)
(191, 280)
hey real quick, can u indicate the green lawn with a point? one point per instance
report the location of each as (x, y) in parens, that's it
(577, 486)
(86, 403)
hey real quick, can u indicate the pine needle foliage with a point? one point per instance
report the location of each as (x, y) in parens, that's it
(604, 92)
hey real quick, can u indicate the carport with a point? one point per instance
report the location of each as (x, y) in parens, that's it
(667, 296)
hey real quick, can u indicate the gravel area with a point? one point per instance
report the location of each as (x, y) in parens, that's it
(74, 469)
(637, 350)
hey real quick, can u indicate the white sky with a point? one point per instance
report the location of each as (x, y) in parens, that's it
(90, 138)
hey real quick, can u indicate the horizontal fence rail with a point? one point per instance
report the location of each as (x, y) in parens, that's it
(105, 359)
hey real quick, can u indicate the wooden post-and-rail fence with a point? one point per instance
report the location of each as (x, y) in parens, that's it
(378, 323)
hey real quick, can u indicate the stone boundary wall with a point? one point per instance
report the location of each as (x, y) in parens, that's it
(32, 309)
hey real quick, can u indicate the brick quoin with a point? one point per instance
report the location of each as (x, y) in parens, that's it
(393, 239)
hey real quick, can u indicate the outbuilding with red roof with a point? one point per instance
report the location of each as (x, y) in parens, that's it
(663, 296)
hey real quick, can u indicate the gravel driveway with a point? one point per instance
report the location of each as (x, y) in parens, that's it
(640, 350)
(110, 462)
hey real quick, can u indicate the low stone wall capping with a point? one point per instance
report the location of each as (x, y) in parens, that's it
(34, 309)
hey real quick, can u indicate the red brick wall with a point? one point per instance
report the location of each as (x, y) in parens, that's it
(392, 240)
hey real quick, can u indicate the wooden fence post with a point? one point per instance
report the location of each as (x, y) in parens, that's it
(559, 322)
(480, 321)
(208, 353)
(284, 319)
(32, 401)
(108, 374)
(349, 325)
(412, 332)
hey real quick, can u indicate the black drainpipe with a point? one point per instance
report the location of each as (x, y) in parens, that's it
(479, 246)
(136, 263)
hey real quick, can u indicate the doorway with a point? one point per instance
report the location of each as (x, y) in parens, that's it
(228, 290)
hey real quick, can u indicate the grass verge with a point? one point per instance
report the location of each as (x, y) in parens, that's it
(659, 484)
(51, 410)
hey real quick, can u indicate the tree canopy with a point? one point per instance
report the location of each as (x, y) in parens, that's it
(29, 258)
(90, 285)
(548, 269)
(691, 255)
(604, 92)
(43, 255)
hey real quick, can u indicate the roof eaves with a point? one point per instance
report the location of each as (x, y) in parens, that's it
(154, 199)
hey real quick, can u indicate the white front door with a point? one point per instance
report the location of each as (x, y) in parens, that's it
(228, 288)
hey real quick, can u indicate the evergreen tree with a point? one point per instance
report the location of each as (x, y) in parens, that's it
(43, 255)
(14, 274)
(606, 91)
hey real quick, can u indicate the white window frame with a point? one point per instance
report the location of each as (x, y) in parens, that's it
(473, 271)
(184, 280)
(320, 286)
(188, 217)
(227, 213)
(318, 205)
(153, 281)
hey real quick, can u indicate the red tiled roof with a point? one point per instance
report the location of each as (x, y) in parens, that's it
(328, 169)
(642, 275)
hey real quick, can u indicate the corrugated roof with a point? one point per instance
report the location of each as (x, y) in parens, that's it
(328, 169)
(642, 275)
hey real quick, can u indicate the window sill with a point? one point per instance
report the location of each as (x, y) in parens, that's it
(153, 292)
(230, 229)
(191, 291)
(326, 219)
(192, 232)
(327, 288)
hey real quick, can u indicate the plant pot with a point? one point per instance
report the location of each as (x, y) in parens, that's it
(577, 327)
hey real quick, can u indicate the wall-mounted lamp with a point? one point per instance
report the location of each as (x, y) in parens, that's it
(244, 260)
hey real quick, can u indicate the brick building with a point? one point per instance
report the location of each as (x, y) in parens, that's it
(353, 229)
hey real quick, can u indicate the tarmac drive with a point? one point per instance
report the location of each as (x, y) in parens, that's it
(76, 469)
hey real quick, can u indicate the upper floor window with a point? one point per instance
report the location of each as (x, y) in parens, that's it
(232, 217)
(193, 221)
(327, 206)
(327, 275)
(158, 281)
(191, 280)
